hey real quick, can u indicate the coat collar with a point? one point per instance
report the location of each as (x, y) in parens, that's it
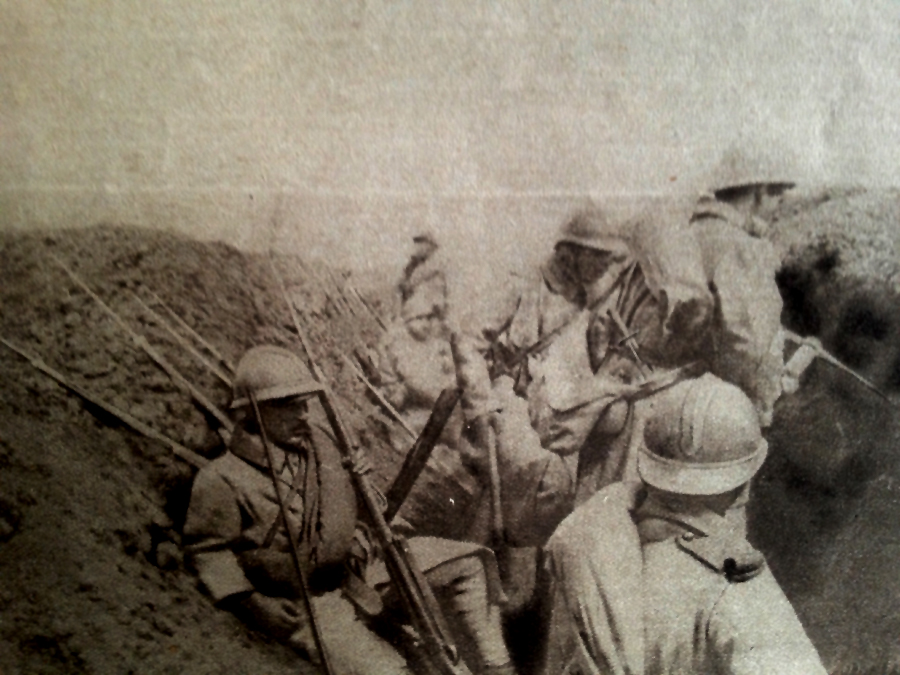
(663, 516)
(250, 448)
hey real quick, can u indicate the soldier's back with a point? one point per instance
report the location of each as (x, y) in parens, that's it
(696, 620)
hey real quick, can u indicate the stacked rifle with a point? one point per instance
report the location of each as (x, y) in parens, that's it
(428, 629)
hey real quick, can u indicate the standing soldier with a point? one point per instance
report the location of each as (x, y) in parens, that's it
(414, 365)
(424, 274)
(659, 578)
(240, 544)
(549, 367)
(740, 264)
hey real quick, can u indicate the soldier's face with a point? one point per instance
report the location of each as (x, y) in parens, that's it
(422, 327)
(767, 200)
(582, 264)
(757, 200)
(593, 264)
(285, 419)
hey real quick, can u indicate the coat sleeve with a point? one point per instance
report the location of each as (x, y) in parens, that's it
(538, 485)
(212, 528)
(753, 630)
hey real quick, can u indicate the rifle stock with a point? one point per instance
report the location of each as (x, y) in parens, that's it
(418, 456)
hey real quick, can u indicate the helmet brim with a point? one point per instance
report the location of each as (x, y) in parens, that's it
(785, 185)
(613, 245)
(280, 391)
(699, 479)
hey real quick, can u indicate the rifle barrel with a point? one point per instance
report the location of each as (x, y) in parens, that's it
(628, 340)
(181, 451)
(157, 358)
(190, 331)
(826, 356)
(367, 306)
(193, 351)
(391, 410)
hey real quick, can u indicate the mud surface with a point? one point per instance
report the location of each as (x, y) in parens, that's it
(93, 578)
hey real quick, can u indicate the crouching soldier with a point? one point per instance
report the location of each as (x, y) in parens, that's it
(659, 578)
(241, 547)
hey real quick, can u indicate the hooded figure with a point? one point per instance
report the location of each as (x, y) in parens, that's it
(240, 545)
(658, 577)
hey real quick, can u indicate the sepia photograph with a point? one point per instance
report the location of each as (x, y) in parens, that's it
(445, 337)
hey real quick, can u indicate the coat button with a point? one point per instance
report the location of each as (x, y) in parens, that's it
(688, 536)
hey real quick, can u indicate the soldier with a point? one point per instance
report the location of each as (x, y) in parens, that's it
(424, 274)
(547, 365)
(659, 577)
(240, 546)
(414, 361)
(747, 341)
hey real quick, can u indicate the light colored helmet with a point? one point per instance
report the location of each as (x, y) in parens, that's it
(745, 167)
(703, 438)
(591, 229)
(271, 372)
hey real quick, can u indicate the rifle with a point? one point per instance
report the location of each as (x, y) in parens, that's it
(193, 351)
(366, 304)
(229, 366)
(547, 339)
(433, 637)
(811, 348)
(391, 410)
(628, 340)
(418, 456)
(188, 455)
(157, 358)
(292, 539)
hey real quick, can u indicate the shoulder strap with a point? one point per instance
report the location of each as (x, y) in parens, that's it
(730, 556)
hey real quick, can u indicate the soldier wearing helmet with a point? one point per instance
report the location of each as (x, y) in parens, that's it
(658, 577)
(562, 301)
(730, 224)
(240, 546)
(747, 187)
(423, 279)
(543, 366)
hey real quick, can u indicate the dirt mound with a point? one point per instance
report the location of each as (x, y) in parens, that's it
(826, 505)
(90, 512)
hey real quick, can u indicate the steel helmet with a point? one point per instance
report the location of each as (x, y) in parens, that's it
(745, 167)
(703, 438)
(271, 372)
(591, 229)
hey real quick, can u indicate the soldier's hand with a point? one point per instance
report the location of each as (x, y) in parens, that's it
(360, 463)
(797, 365)
(279, 617)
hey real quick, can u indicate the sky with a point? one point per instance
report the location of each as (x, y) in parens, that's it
(339, 129)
